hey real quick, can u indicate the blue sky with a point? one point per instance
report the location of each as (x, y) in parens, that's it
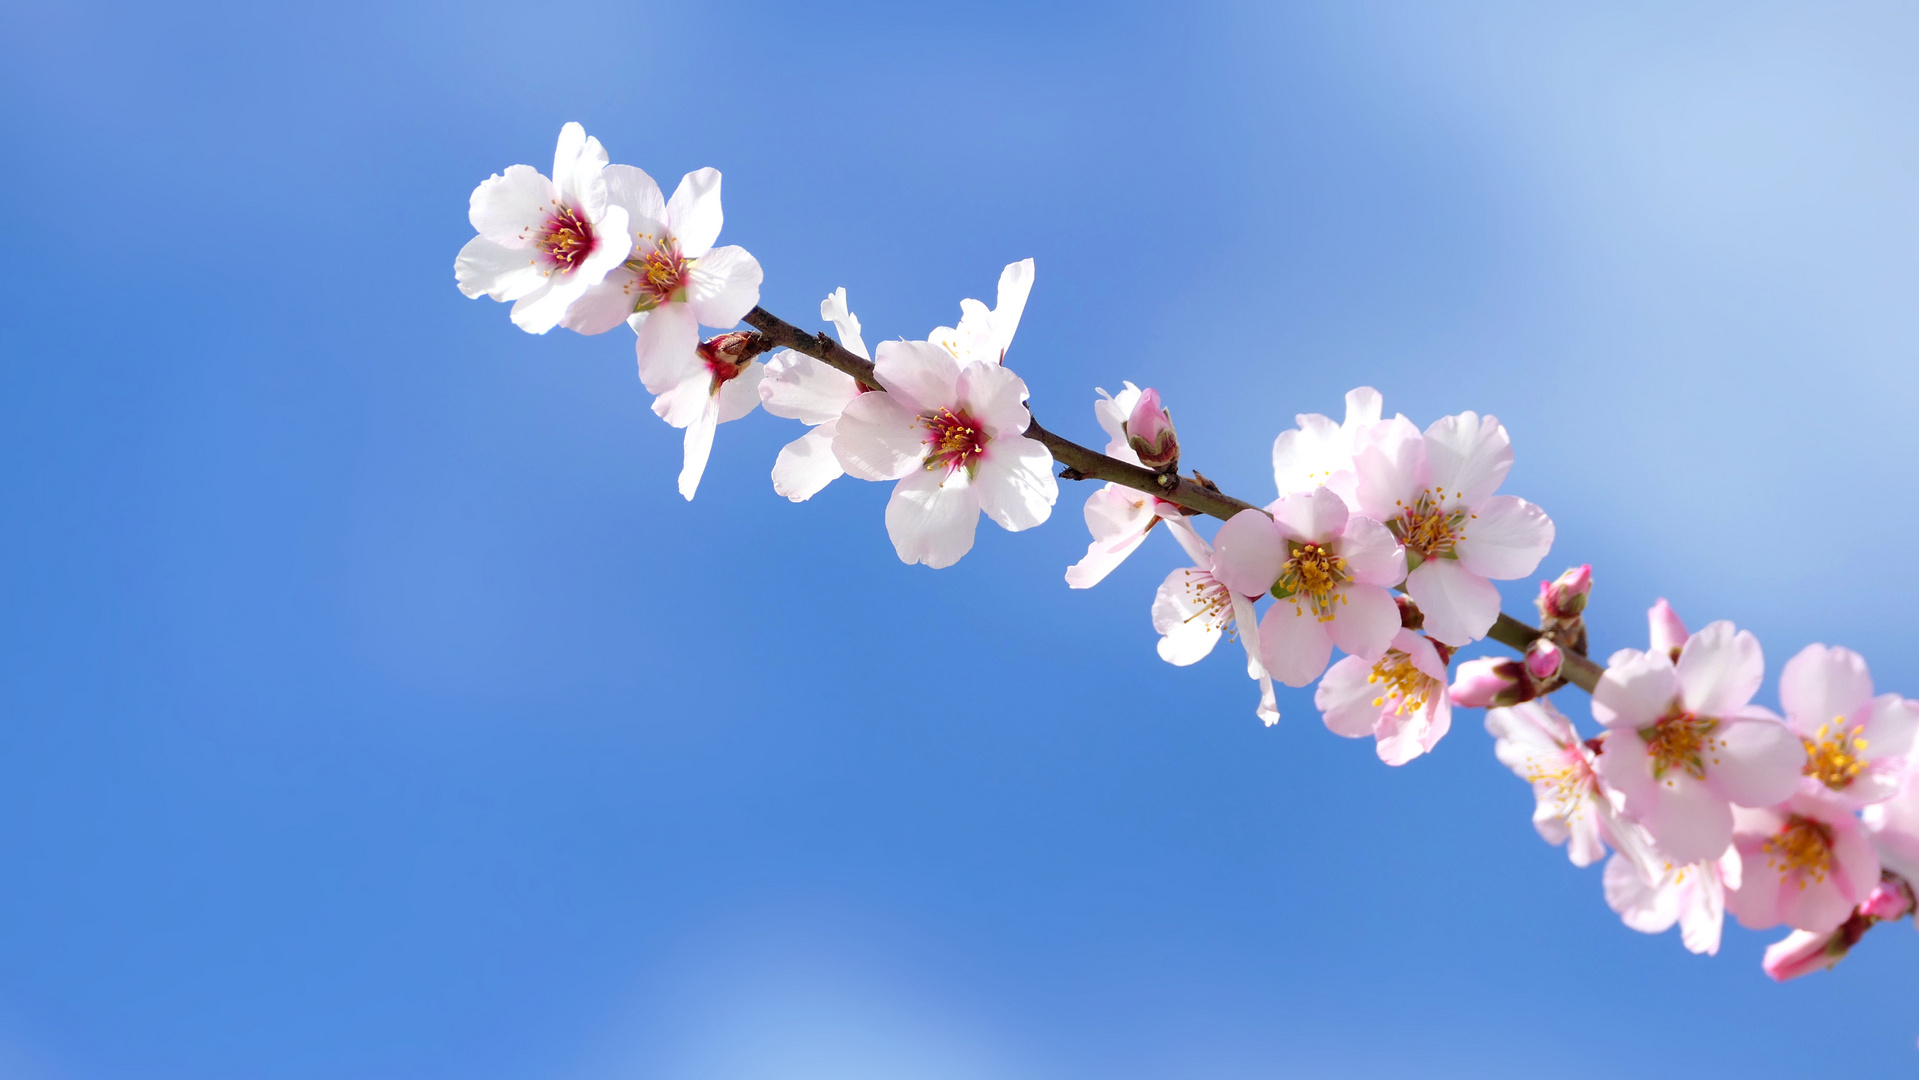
(372, 706)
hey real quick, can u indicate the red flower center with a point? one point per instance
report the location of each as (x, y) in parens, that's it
(568, 239)
(955, 440)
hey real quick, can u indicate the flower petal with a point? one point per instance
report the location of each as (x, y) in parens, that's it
(1366, 622)
(834, 310)
(578, 161)
(801, 388)
(1294, 645)
(923, 376)
(1015, 284)
(879, 438)
(1822, 685)
(1758, 761)
(1248, 553)
(635, 192)
(806, 465)
(1459, 605)
(740, 394)
(1505, 538)
(1371, 553)
(723, 286)
(932, 516)
(510, 208)
(1390, 466)
(484, 268)
(1635, 693)
(666, 343)
(1119, 518)
(996, 398)
(699, 445)
(1184, 616)
(693, 213)
(1015, 482)
(1469, 456)
(1317, 516)
(1720, 670)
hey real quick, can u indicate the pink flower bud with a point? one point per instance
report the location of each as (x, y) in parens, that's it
(1543, 659)
(1564, 597)
(1802, 953)
(1491, 681)
(1888, 900)
(1149, 431)
(1668, 633)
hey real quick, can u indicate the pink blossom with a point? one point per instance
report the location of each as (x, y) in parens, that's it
(1329, 569)
(1686, 744)
(952, 435)
(1694, 895)
(1564, 597)
(1803, 952)
(1490, 681)
(1668, 634)
(1893, 826)
(1399, 699)
(1856, 744)
(985, 335)
(1537, 742)
(1193, 608)
(1808, 864)
(1435, 492)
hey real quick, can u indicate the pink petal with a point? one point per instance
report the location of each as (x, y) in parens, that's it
(1248, 553)
(1720, 670)
(1505, 538)
(1459, 605)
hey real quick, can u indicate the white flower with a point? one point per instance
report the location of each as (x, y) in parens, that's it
(1193, 608)
(1692, 895)
(1320, 452)
(544, 243)
(675, 280)
(1573, 807)
(1118, 516)
(951, 434)
(801, 388)
(724, 386)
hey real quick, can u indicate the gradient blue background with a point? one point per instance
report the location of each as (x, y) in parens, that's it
(373, 707)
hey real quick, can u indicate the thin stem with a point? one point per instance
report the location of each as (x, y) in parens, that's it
(1083, 463)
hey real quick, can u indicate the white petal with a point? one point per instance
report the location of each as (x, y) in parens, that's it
(510, 208)
(1363, 405)
(606, 305)
(807, 464)
(1118, 518)
(1469, 457)
(1646, 908)
(1111, 410)
(683, 403)
(1015, 482)
(879, 438)
(1689, 821)
(1345, 698)
(699, 444)
(723, 286)
(1316, 452)
(1188, 630)
(1390, 466)
(995, 397)
(740, 394)
(1371, 553)
(485, 268)
(932, 516)
(1505, 538)
(1720, 670)
(577, 163)
(1015, 283)
(923, 376)
(834, 310)
(801, 388)
(693, 214)
(634, 191)
(1459, 606)
(1757, 762)
(667, 345)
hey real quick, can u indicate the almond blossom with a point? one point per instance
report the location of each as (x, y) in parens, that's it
(1120, 517)
(1686, 743)
(1692, 895)
(801, 388)
(983, 334)
(675, 280)
(1803, 952)
(1434, 490)
(1856, 744)
(1539, 744)
(724, 386)
(951, 434)
(544, 243)
(1193, 608)
(1330, 570)
(1400, 699)
(1808, 864)
(1319, 451)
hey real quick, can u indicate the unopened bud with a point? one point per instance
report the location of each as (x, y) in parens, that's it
(1564, 597)
(1890, 899)
(1543, 659)
(731, 351)
(1491, 682)
(1410, 616)
(1802, 953)
(1149, 431)
(1668, 633)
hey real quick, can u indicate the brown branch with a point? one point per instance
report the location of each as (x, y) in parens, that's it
(1081, 463)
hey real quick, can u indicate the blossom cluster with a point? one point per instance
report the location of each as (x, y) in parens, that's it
(1383, 542)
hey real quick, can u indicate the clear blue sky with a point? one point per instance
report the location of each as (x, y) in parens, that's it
(371, 706)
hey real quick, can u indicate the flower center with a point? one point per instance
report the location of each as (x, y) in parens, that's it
(1311, 578)
(1832, 754)
(956, 439)
(1569, 782)
(1212, 604)
(1404, 688)
(1429, 528)
(568, 239)
(659, 275)
(1802, 848)
(1680, 741)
